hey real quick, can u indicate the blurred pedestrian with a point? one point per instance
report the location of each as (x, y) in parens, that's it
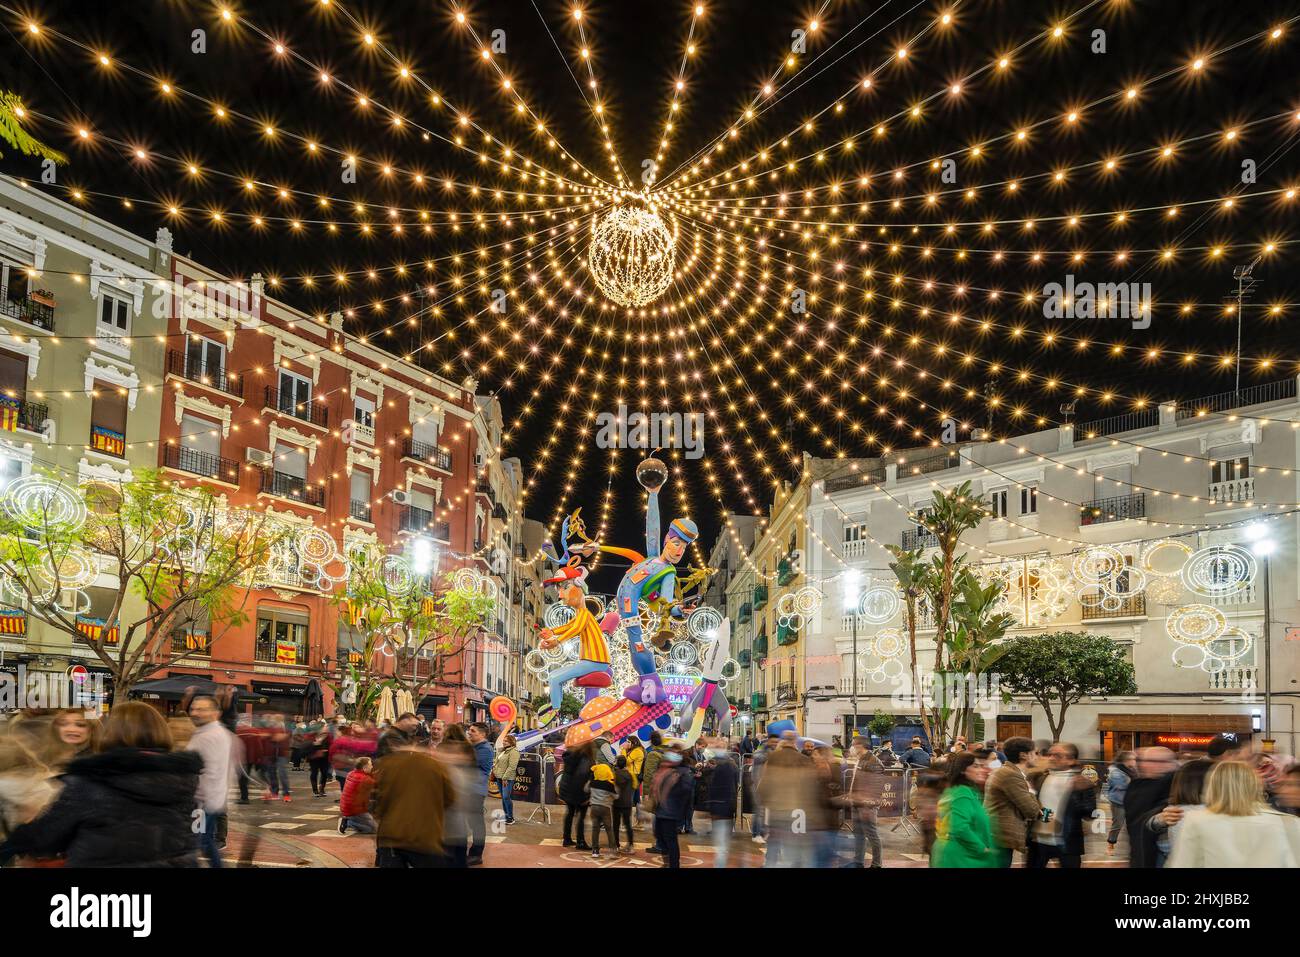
(130, 804)
(635, 766)
(828, 812)
(1147, 791)
(862, 797)
(602, 791)
(673, 784)
(71, 734)
(720, 803)
(318, 758)
(916, 756)
(575, 794)
(1067, 799)
(1186, 793)
(788, 791)
(27, 786)
(1116, 787)
(401, 734)
(412, 798)
(1236, 828)
(964, 834)
(1011, 802)
(354, 804)
(275, 758)
(461, 763)
(653, 757)
(219, 750)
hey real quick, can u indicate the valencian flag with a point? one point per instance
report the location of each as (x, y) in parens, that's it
(9, 409)
(13, 621)
(286, 653)
(93, 629)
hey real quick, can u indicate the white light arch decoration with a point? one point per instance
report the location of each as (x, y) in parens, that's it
(632, 254)
(1219, 571)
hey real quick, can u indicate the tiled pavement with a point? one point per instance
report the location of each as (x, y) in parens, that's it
(304, 833)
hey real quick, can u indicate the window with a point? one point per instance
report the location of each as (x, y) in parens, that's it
(295, 394)
(364, 412)
(200, 435)
(856, 532)
(1225, 470)
(204, 359)
(15, 280)
(10, 469)
(108, 420)
(998, 503)
(281, 636)
(1029, 500)
(114, 314)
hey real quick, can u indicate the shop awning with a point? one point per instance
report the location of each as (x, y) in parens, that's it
(174, 688)
(1204, 723)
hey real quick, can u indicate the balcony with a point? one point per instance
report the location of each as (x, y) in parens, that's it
(875, 475)
(760, 597)
(786, 635)
(927, 463)
(1254, 395)
(758, 701)
(1245, 596)
(1134, 607)
(191, 644)
(857, 548)
(293, 488)
(30, 310)
(427, 452)
(96, 629)
(1118, 508)
(1235, 679)
(864, 684)
(745, 615)
(197, 462)
(919, 538)
(1112, 425)
(760, 645)
(744, 657)
(364, 433)
(312, 412)
(1232, 491)
(499, 512)
(188, 367)
(18, 414)
(279, 652)
(413, 519)
(359, 510)
(786, 691)
(786, 572)
(108, 441)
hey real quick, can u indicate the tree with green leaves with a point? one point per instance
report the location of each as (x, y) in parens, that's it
(188, 559)
(569, 708)
(12, 115)
(950, 515)
(882, 723)
(404, 635)
(1061, 668)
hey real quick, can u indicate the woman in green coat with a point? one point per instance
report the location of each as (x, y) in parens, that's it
(964, 836)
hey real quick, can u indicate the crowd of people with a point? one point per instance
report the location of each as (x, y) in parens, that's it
(139, 789)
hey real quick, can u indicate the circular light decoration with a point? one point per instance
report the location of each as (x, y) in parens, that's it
(1233, 645)
(682, 654)
(1165, 589)
(703, 623)
(879, 604)
(317, 547)
(557, 615)
(807, 600)
(1196, 624)
(1218, 571)
(631, 255)
(38, 502)
(888, 643)
(1154, 557)
(397, 575)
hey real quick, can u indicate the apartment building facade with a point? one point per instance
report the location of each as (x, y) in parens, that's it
(1194, 472)
(81, 372)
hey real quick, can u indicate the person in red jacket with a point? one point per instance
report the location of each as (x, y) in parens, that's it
(354, 806)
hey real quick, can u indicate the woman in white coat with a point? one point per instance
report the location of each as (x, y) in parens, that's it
(1236, 828)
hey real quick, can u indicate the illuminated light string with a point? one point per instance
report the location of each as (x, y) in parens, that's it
(926, 373)
(898, 278)
(1021, 133)
(578, 19)
(748, 113)
(521, 106)
(221, 112)
(435, 97)
(689, 49)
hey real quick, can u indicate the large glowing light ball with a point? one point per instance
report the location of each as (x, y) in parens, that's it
(631, 255)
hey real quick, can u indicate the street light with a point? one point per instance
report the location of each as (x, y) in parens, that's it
(1263, 545)
(852, 586)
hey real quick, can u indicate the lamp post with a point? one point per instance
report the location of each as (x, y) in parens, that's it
(1263, 545)
(852, 582)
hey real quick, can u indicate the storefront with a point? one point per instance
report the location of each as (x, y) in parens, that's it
(282, 697)
(430, 704)
(1178, 732)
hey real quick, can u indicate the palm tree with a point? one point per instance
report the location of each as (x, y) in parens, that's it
(976, 643)
(913, 579)
(11, 129)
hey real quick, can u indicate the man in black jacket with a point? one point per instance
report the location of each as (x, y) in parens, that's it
(1147, 792)
(720, 802)
(674, 786)
(1068, 799)
(400, 735)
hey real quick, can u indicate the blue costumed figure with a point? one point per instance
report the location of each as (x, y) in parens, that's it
(647, 579)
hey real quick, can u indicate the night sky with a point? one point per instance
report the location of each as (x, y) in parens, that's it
(1247, 85)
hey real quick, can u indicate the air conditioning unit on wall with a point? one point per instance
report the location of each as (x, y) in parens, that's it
(259, 457)
(400, 497)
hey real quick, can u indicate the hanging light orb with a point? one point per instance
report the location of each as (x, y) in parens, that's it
(631, 255)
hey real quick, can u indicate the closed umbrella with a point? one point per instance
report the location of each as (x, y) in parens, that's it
(314, 705)
(386, 707)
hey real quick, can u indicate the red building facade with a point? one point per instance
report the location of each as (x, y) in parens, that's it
(280, 411)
